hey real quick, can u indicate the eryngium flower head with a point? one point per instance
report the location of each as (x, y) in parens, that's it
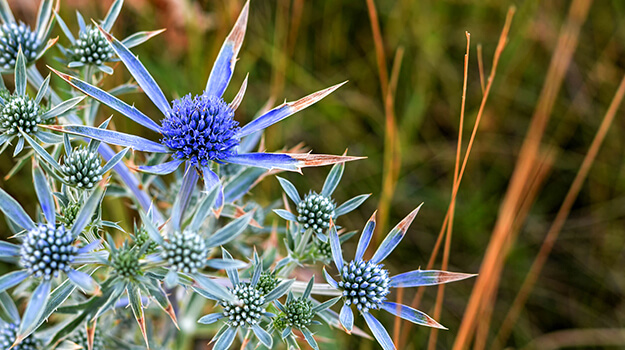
(201, 129)
(315, 212)
(12, 37)
(247, 310)
(92, 48)
(82, 168)
(364, 284)
(48, 250)
(299, 312)
(185, 251)
(20, 113)
(8, 334)
(126, 263)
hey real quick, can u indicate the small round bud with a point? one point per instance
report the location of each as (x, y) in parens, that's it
(315, 211)
(12, 37)
(82, 169)
(20, 113)
(299, 312)
(92, 48)
(126, 263)
(185, 251)
(8, 334)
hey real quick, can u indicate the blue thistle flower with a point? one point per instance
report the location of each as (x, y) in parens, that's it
(47, 249)
(243, 305)
(366, 284)
(201, 129)
(198, 131)
(15, 35)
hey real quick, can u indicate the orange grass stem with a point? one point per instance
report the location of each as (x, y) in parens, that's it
(503, 38)
(440, 295)
(561, 216)
(525, 165)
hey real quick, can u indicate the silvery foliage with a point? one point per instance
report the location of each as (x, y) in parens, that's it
(201, 253)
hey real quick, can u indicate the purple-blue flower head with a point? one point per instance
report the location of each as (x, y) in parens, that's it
(201, 129)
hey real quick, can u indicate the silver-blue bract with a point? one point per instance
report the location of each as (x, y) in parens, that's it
(366, 284)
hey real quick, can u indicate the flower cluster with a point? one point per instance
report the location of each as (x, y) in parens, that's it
(91, 279)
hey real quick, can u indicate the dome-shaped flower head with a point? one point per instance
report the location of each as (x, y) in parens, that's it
(316, 210)
(48, 249)
(243, 305)
(185, 249)
(200, 129)
(90, 48)
(16, 35)
(366, 284)
(21, 114)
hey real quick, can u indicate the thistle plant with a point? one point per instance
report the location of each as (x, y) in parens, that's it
(22, 115)
(197, 130)
(299, 313)
(47, 249)
(82, 166)
(366, 284)
(244, 306)
(209, 255)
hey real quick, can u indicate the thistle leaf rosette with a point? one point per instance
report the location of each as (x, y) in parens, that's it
(182, 246)
(316, 210)
(366, 284)
(243, 305)
(198, 130)
(89, 47)
(22, 115)
(16, 36)
(47, 249)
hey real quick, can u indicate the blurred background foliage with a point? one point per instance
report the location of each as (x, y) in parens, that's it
(294, 47)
